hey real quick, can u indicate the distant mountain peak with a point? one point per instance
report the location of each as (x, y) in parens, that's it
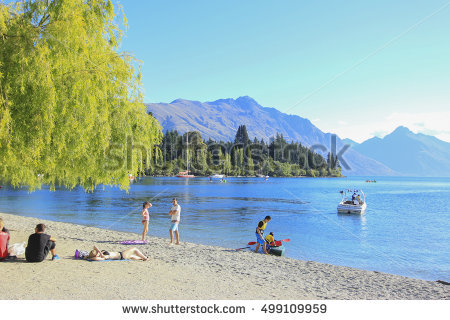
(409, 153)
(246, 99)
(241, 101)
(402, 130)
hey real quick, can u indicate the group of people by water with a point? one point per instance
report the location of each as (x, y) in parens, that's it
(174, 214)
(41, 244)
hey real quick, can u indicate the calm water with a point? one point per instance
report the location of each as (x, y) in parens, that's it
(405, 229)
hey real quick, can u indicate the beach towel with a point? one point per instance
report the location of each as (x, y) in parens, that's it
(107, 260)
(133, 242)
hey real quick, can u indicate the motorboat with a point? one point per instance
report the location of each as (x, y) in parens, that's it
(352, 202)
(217, 176)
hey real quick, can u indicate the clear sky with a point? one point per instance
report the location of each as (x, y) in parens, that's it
(355, 68)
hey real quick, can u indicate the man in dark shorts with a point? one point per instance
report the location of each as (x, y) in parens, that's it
(39, 244)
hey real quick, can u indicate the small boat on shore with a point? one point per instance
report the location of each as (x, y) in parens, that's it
(278, 250)
(352, 204)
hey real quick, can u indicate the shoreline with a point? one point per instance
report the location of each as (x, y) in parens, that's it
(188, 271)
(162, 176)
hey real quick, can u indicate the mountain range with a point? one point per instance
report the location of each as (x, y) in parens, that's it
(412, 154)
(220, 119)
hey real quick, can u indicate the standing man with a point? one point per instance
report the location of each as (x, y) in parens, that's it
(174, 213)
(260, 234)
(39, 244)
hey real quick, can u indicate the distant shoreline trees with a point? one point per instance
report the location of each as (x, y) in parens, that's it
(242, 157)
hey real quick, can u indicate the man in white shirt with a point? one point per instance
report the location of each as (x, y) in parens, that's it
(175, 219)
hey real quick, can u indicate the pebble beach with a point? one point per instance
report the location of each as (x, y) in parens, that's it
(188, 272)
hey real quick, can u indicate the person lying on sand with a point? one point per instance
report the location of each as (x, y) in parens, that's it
(132, 253)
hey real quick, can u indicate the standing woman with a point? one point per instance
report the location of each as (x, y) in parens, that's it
(145, 218)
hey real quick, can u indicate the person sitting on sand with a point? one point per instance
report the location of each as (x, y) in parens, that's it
(4, 240)
(260, 234)
(39, 244)
(132, 254)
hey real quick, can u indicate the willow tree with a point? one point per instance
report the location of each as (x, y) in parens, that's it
(71, 103)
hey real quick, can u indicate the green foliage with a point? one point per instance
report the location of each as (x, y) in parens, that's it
(250, 167)
(242, 136)
(71, 105)
(279, 158)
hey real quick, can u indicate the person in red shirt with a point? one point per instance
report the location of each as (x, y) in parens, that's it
(4, 239)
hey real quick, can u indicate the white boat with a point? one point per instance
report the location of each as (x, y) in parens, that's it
(353, 203)
(217, 176)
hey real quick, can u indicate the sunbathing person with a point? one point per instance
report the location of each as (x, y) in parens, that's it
(132, 254)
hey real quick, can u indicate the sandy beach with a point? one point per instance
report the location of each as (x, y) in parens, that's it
(187, 271)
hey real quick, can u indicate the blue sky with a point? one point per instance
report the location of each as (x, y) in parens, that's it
(356, 68)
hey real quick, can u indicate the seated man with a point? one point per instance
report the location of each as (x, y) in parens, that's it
(39, 244)
(4, 239)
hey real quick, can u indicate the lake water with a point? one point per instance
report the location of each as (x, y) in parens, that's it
(405, 230)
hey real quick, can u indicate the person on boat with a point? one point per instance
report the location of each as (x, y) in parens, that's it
(270, 239)
(354, 196)
(39, 245)
(175, 219)
(260, 234)
(131, 253)
(358, 197)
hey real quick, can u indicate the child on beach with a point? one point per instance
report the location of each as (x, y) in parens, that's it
(270, 238)
(145, 218)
